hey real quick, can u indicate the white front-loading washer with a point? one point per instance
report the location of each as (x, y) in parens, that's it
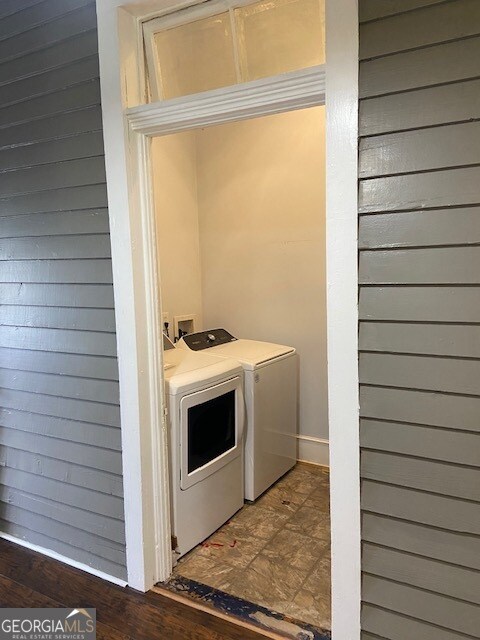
(206, 424)
(271, 397)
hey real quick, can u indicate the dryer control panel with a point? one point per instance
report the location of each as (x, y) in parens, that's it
(206, 339)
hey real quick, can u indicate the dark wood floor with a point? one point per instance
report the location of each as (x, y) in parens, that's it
(29, 579)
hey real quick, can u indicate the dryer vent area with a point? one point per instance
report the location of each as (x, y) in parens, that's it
(240, 224)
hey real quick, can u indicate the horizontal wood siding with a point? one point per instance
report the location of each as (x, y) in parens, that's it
(414, 538)
(451, 103)
(437, 23)
(419, 309)
(439, 64)
(386, 624)
(462, 341)
(60, 445)
(433, 228)
(374, 9)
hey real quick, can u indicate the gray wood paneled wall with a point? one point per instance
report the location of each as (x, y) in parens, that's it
(419, 305)
(60, 446)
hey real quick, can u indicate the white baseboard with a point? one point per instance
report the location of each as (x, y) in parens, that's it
(313, 450)
(64, 559)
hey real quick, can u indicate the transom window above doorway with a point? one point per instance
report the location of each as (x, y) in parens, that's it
(225, 42)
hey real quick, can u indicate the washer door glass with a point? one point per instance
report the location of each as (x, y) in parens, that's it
(211, 430)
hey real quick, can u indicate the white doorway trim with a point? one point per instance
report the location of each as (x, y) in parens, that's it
(296, 90)
(289, 91)
(342, 314)
(136, 298)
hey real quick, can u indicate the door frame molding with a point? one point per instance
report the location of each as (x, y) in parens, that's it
(287, 92)
(127, 134)
(295, 90)
(342, 314)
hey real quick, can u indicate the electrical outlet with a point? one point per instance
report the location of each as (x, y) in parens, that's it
(165, 317)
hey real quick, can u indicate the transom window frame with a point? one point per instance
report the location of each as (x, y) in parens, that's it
(163, 22)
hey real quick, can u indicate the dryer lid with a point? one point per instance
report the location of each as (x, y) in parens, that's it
(187, 371)
(252, 353)
(220, 343)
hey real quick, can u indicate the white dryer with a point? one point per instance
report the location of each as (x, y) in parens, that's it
(271, 396)
(206, 420)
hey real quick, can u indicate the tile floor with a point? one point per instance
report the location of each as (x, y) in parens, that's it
(275, 552)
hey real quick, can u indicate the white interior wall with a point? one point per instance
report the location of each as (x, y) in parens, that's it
(176, 210)
(261, 193)
(241, 217)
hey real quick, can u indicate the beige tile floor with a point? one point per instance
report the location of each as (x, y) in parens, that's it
(275, 552)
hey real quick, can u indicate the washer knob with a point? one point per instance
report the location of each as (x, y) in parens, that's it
(211, 337)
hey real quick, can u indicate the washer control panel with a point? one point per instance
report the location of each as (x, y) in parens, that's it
(206, 339)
